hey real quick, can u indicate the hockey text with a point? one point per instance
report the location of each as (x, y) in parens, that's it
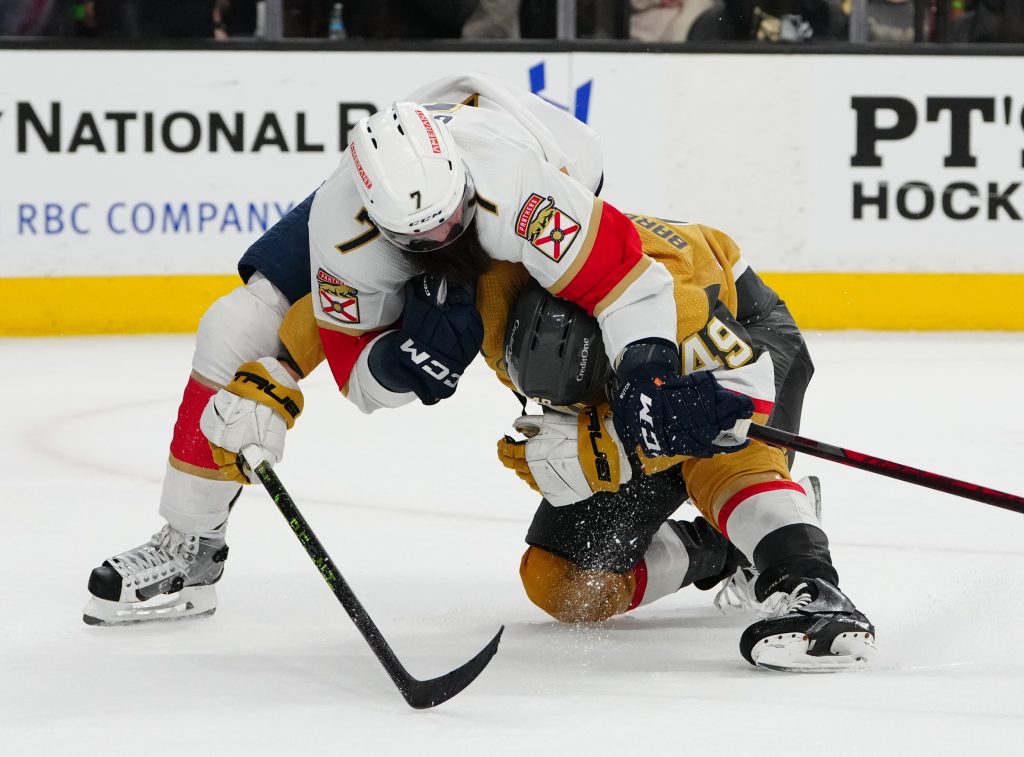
(887, 125)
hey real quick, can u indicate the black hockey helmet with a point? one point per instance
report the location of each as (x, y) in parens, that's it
(553, 350)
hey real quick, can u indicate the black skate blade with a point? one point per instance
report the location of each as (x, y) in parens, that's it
(424, 694)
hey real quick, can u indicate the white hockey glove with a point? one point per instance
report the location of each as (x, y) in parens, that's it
(257, 407)
(567, 458)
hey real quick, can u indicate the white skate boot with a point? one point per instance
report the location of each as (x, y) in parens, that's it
(169, 578)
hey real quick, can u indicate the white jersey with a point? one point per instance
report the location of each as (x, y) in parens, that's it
(535, 170)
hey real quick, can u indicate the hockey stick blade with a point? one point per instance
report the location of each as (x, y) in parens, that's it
(779, 438)
(418, 694)
(425, 694)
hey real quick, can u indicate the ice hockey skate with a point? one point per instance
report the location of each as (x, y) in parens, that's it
(171, 577)
(811, 627)
(736, 593)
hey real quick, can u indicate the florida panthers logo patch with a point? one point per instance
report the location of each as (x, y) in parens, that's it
(337, 299)
(548, 228)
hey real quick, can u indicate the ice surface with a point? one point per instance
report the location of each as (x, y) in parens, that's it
(427, 527)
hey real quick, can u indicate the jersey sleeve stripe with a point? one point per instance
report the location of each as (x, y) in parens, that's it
(614, 254)
(323, 326)
(342, 350)
(584, 254)
(637, 271)
(203, 381)
(211, 474)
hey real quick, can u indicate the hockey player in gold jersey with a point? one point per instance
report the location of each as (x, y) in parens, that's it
(471, 176)
(602, 542)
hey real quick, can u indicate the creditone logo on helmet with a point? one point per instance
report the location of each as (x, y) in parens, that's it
(509, 341)
(545, 226)
(435, 144)
(584, 357)
(359, 167)
(338, 300)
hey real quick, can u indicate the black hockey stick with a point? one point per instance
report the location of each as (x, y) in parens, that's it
(419, 694)
(779, 438)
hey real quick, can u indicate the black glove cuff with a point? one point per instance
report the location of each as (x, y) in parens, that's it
(391, 374)
(652, 352)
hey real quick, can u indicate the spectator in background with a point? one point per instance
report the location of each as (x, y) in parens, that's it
(771, 21)
(995, 21)
(665, 20)
(890, 20)
(307, 18)
(406, 19)
(537, 19)
(233, 18)
(493, 19)
(181, 19)
(595, 19)
(152, 19)
(28, 18)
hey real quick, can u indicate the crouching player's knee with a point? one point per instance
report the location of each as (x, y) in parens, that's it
(573, 594)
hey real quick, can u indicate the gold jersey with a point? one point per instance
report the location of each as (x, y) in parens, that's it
(705, 264)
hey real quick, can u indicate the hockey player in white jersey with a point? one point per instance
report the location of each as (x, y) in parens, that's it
(470, 170)
(469, 173)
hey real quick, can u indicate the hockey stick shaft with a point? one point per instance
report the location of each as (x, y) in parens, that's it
(779, 438)
(419, 694)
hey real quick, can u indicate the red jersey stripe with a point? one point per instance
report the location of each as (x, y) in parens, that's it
(764, 407)
(342, 350)
(188, 443)
(616, 251)
(640, 574)
(744, 494)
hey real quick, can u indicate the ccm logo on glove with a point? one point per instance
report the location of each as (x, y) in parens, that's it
(441, 333)
(650, 439)
(433, 369)
(669, 415)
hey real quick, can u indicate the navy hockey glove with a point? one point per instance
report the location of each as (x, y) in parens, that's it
(441, 333)
(668, 414)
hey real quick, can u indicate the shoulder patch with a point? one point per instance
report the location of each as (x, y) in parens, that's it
(337, 299)
(548, 228)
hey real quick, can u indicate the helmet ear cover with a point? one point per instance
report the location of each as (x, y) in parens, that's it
(554, 351)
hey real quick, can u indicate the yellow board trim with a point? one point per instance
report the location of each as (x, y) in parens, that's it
(878, 301)
(108, 305)
(903, 301)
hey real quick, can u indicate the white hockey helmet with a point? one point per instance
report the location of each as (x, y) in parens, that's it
(411, 178)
